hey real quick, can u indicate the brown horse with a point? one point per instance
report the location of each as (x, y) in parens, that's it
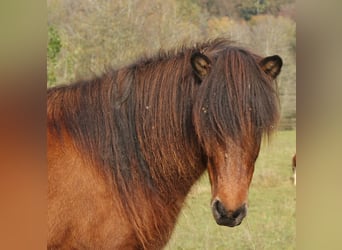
(125, 148)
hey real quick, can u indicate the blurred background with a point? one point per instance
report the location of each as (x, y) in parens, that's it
(86, 36)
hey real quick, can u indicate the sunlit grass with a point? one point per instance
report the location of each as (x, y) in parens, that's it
(271, 221)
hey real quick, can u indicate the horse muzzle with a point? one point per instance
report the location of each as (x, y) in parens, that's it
(226, 217)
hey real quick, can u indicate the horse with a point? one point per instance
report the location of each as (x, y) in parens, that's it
(125, 147)
(294, 166)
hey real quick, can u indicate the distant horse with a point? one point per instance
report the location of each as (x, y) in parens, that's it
(125, 148)
(294, 166)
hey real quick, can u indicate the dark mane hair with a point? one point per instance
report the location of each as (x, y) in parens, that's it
(137, 121)
(248, 97)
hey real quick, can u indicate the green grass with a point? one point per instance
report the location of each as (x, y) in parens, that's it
(271, 220)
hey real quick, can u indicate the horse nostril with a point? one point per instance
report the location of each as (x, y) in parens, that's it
(241, 210)
(219, 209)
(236, 214)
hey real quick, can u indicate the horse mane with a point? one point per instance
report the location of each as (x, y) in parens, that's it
(146, 125)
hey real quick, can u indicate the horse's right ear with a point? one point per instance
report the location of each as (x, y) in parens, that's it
(271, 65)
(200, 64)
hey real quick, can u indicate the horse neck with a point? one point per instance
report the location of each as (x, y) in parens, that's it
(152, 126)
(163, 123)
(145, 143)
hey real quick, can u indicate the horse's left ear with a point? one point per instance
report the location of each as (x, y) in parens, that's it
(271, 65)
(200, 64)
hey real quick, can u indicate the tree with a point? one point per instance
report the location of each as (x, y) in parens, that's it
(250, 8)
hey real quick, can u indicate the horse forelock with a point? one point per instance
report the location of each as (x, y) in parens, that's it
(235, 99)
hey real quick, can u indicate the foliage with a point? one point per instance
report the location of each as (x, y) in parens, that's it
(250, 8)
(53, 49)
(54, 44)
(218, 26)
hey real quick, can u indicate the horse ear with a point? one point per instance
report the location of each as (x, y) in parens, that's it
(200, 64)
(271, 65)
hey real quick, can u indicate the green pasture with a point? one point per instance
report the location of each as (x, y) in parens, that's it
(271, 220)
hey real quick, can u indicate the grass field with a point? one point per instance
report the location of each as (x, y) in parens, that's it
(271, 220)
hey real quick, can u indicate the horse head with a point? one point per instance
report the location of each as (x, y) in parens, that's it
(236, 104)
